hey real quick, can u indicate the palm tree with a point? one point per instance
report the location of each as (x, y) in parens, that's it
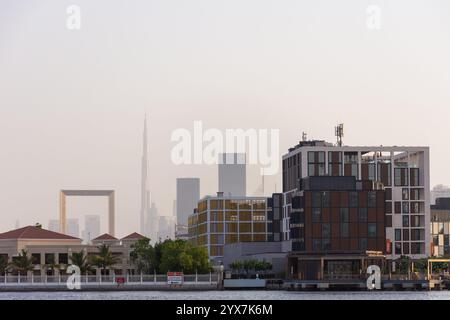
(22, 263)
(81, 261)
(104, 259)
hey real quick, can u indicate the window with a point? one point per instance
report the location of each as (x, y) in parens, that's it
(316, 215)
(415, 194)
(405, 220)
(326, 244)
(351, 164)
(388, 207)
(36, 258)
(49, 258)
(317, 245)
(316, 163)
(334, 163)
(326, 230)
(405, 194)
(398, 234)
(325, 199)
(398, 248)
(372, 230)
(417, 207)
(372, 199)
(414, 174)
(384, 173)
(405, 235)
(417, 234)
(63, 258)
(362, 213)
(353, 199)
(417, 221)
(417, 248)
(405, 248)
(405, 207)
(344, 215)
(344, 230)
(316, 199)
(388, 194)
(436, 240)
(363, 244)
(401, 177)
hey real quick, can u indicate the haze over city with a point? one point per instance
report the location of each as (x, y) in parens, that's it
(72, 102)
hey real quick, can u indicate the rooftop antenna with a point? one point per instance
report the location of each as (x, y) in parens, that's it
(339, 132)
(304, 136)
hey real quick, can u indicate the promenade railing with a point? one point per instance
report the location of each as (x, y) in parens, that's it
(145, 279)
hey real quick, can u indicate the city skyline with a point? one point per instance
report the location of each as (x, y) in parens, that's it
(306, 68)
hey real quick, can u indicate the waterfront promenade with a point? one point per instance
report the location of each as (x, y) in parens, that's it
(202, 282)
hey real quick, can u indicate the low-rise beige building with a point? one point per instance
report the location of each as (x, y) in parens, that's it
(51, 251)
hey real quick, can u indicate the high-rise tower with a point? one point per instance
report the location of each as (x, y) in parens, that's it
(145, 193)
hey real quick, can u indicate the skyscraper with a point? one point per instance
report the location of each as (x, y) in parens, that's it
(73, 228)
(188, 194)
(232, 174)
(91, 227)
(145, 192)
(152, 223)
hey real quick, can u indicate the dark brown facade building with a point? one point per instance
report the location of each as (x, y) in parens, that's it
(334, 222)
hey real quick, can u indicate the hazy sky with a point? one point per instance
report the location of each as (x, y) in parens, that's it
(72, 102)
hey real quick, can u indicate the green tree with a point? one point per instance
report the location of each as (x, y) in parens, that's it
(22, 263)
(80, 260)
(201, 263)
(3, 264)
(171, 251)
(403, 264)
(179, 255)
(104, 259)
(143, 256)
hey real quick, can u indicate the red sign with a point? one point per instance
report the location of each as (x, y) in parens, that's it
(120, 280)
(175, 278)
(174, 274)
(388, 246)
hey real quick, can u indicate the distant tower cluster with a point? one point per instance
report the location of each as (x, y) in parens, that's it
(91, 227)
(232, 174)
(145, 192)
(188, 195)
(149, 217)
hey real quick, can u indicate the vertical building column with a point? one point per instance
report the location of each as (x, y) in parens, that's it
(111, 213)
(359, 166)
(62, 212)
(426, 184)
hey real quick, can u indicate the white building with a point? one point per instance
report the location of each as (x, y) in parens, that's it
(403, 171)
(232, 174)
(439, 191)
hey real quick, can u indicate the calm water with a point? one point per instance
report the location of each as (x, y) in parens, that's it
(226, 295)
